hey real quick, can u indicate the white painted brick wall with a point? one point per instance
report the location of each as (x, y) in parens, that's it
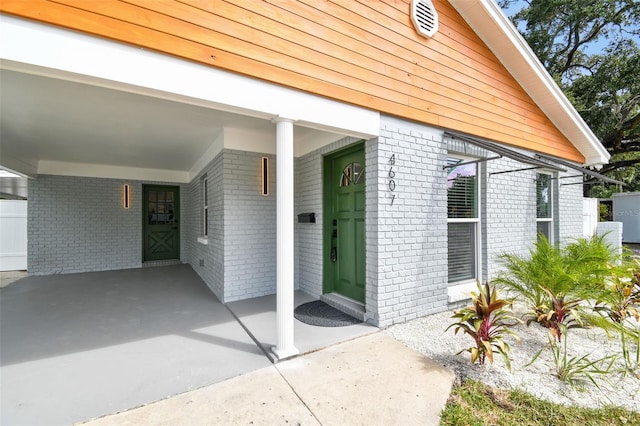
(211, 255)
(249, 227)
(569, 208)
(406, 240)
(509, 212)
(78, 224)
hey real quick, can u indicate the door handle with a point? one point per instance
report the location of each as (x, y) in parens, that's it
(334, 249)
(174, 227)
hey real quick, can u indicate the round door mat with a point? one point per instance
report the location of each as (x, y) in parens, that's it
(322, 315)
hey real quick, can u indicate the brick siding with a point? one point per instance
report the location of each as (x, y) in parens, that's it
(406, 239)
(79, 224)
(207, 260)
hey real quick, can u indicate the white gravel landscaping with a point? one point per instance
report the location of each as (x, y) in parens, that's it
(427, 335)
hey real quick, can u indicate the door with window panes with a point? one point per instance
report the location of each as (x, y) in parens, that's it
(161, 223)
(345, 228)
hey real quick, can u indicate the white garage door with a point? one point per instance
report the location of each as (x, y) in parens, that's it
(13, 235)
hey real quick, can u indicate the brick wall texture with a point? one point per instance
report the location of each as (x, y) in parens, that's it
(406, 235)
(207, 260)
(239, 261)
(78, 224)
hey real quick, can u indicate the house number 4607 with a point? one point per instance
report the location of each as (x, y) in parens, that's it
(391, 184)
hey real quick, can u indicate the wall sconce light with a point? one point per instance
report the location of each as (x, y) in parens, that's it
(265, 176)
(127, 196)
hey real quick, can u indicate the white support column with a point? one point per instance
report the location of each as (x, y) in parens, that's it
(285, 269)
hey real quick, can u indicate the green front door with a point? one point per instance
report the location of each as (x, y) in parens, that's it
(344, 225)
(161, 223)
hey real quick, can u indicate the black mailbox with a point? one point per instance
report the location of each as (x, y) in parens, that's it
(307, 218)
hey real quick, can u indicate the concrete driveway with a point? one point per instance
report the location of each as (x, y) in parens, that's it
(79, 346)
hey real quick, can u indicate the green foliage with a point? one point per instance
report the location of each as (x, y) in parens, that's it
(472, 403)
(487, 321)
(619, 304)
(591, 49)
(576, 370)
(608, 100)
(554, 282)
(631, 362)
(562, 313)
(621, 296)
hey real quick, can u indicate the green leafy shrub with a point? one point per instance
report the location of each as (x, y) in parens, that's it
(619, 304)
(487, 321)
(621, 296)
(555, 282)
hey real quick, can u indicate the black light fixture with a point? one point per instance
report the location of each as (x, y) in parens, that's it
(265, 177)
(127, 196)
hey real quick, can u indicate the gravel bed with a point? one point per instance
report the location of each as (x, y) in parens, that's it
(427, 335)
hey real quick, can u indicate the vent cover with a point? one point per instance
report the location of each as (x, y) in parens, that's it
(424, 17)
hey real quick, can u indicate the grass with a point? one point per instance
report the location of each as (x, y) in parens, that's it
(474, 404)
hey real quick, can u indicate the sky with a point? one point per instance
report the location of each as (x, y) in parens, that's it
(592, 48)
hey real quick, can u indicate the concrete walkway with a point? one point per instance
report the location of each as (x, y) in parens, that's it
(371, 380)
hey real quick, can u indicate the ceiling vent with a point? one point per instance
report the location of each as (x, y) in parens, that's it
(424, 17)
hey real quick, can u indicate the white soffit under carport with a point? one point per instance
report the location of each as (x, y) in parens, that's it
(488, 21)
(52, 52)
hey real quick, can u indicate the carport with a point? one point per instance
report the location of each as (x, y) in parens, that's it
(80, 346)
(115, 128)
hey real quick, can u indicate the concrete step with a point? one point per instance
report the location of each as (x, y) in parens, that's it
(344, 304)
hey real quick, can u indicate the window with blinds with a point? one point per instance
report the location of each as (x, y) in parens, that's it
(463, 219)
(544, 205)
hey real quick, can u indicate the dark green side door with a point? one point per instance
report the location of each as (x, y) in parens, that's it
(344, 225)
(161, 223)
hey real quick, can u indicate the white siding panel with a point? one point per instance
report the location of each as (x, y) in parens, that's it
(13, 235)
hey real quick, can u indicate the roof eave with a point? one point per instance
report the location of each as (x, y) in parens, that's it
(496, 30)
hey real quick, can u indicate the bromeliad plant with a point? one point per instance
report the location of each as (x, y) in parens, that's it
(487, 321)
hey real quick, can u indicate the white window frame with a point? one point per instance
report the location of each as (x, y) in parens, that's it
(460, 290)
(549, 220)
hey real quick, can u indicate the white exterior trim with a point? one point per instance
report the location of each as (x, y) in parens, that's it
(478, 221)
(285, 239)
(63, 168)
(488, 21)
(49, 51)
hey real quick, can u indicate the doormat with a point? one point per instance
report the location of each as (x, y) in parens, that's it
(320, 314)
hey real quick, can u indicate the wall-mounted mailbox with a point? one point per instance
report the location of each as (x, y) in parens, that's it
(307, 218)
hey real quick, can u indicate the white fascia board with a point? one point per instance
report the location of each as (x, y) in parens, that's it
(62, 168)
(82, 58)
(17, 166)
(491, 24)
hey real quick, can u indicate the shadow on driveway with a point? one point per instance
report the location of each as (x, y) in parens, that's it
(79, 346)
